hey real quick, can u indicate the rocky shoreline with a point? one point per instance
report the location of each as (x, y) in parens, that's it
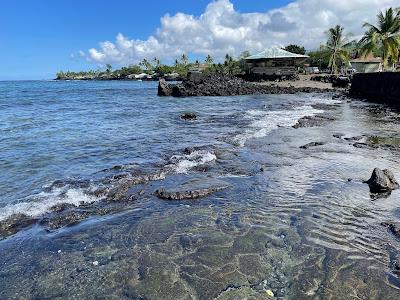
(198, 84)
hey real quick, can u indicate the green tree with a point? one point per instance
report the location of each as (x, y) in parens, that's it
(184, 59)
(209, 60)
(338, 46)
(146, 64)
(295, 49)
(384, 37)
(108, 68)
(242, 65)
(231, 66)
(319, 58)
(157, 62)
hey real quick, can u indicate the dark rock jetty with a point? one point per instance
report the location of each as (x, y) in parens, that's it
(199, 84)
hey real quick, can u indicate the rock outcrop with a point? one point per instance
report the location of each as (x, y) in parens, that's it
(382, 181)
(164, 88)
(186, 195)
(199, 84)
(188, 116)
(312, 144)
(190, 190)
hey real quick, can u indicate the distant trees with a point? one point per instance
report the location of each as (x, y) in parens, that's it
(108, 68)
(184, 59)
(132, 69)
(209, 60)
(295, 49)
(157, 62)
(384, 37)
(146, 64)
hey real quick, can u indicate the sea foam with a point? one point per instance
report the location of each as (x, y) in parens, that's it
(263, 122)
(44, 201)
(183, 163)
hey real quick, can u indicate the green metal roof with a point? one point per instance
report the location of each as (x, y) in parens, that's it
(275, 53)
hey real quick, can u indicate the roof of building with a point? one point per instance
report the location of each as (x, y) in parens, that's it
(275, 53)
(370, 58)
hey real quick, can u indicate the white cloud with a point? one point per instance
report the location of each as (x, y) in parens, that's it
(221, 29)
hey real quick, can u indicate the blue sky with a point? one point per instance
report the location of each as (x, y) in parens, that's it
(38, 37)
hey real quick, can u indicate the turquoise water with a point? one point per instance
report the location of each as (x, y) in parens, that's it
(289, 222)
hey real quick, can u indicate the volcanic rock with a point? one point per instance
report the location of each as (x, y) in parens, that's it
(382, 181)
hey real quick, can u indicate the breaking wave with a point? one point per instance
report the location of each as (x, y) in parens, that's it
(183, 163)
(266, 121)
(44, 201)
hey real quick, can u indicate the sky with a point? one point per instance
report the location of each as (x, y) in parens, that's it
(39, 38)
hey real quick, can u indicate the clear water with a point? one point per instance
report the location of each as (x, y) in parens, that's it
(299, 228)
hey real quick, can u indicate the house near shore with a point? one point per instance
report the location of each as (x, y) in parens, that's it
(274, 62)
(198, 67)
(367, 64)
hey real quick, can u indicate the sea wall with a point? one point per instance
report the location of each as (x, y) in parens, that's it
(377, 87)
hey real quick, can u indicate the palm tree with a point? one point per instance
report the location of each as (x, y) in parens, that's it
(230, 65)
(384, 37)
(157, 62)
(146, 64)
(184, 59)
(108, 68)
(209, 60)
(338, 47)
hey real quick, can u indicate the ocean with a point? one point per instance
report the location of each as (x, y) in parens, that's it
(298, 222)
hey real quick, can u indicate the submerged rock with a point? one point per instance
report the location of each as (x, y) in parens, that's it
(313, 121)
(393, 227)
(382, 181)
(312, 144)
(193, 189)
(188, 116)
(186, 195)
(15, 223)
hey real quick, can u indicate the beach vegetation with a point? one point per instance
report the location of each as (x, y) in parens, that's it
(383, 39)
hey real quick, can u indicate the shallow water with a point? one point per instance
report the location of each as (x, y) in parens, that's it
(299, 228)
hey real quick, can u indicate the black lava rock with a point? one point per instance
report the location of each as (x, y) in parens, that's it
(382, 181)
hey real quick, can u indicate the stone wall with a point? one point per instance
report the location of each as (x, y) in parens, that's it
(377, 87)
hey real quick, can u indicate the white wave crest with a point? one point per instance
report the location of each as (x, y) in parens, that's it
(183, 163)
(266, 121)
(44, 201)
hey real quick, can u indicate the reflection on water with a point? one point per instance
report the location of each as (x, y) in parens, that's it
(299, 228)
